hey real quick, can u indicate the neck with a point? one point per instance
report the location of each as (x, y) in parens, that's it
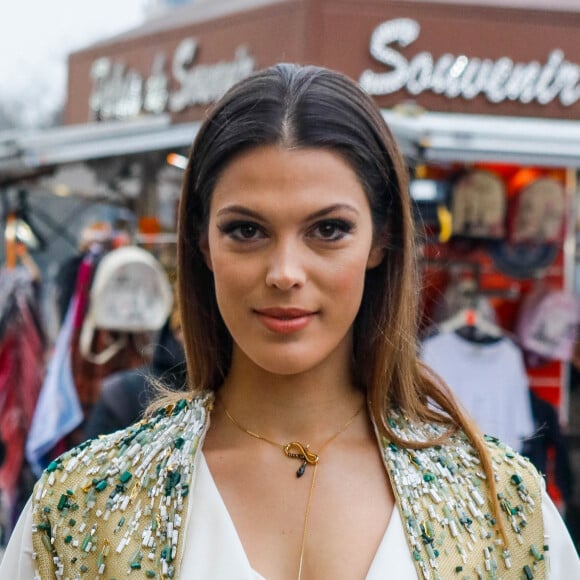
(306, 407)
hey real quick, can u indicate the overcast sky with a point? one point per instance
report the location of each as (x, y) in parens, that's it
(37, 35)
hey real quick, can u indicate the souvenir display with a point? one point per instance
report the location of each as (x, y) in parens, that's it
(547, 323)
(537, 213)
(479, 205)
(521, 261)
(130, 293)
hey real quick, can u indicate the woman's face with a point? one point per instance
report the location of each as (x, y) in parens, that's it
(289, 241)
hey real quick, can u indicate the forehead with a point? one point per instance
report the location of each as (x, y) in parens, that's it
(274, 174)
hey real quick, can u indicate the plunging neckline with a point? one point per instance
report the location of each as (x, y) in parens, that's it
(211, 519)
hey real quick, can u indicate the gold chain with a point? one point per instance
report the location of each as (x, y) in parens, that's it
(296, 450)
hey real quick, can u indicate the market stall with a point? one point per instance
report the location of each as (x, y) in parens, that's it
(483, 96)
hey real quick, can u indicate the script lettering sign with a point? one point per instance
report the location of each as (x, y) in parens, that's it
(466, 77)
(120, 92)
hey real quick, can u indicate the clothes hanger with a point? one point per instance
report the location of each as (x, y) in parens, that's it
(472, 325)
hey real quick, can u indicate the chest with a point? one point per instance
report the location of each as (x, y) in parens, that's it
(336, 525)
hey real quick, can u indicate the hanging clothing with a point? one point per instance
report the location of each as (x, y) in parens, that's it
(87, 375)
(65, 284)
(22, 350)
(58, 411)
(549, 436)
(125, 395)
(488, 379)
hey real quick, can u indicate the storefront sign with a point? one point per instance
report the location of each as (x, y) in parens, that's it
(120, 92)
(467, 77)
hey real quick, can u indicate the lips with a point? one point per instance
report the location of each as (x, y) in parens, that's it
(285, 320)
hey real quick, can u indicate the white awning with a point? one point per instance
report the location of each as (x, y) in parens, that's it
(425, 137)
(24, 153)
(433, 137)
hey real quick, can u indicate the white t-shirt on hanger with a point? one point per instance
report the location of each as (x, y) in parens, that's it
(489, 380)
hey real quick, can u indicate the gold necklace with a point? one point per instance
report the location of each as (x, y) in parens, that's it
(296, 450)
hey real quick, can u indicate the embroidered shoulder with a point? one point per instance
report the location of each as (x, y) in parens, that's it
(124, 492)
(445, 505)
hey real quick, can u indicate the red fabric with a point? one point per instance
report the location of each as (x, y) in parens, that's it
(82, 288)
(21, 371)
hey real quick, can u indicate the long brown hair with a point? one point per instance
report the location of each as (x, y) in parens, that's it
(295, 106)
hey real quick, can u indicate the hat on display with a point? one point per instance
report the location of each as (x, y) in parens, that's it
(547, 322)
(130, 293)
(478, 205)
(537, 212)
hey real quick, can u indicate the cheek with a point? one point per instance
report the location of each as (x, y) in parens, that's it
(347, 279)
(233, 281)
(226, 276)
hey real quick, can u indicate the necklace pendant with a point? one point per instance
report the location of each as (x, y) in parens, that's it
(296, 450)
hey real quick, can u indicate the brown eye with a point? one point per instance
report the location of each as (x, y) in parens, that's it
(247, 231)
(332, 230)
(242, 231)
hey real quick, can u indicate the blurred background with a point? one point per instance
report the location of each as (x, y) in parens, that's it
(99, 105)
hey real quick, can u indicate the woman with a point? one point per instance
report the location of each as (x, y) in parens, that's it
(331, 452)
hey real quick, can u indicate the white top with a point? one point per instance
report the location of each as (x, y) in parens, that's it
(213, 550)
(489, 380)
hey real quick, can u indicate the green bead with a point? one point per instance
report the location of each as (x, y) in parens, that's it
(416, 555)
(101, 485)
(125, 476)
(85, 543)
(52, 466)
(47, 545)
(516, 479)
(166, 554)
(62, 502)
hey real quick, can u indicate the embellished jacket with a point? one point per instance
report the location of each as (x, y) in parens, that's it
(116, 506)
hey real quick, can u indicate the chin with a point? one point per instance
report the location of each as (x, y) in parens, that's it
(285, 365)
(294, 359)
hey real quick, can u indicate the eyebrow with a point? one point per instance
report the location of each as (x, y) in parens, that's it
(242, 210)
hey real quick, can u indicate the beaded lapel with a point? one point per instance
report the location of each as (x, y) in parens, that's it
(442, 496)
(116, 506)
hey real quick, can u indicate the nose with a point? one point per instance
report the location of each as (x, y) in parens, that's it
(286, 268)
